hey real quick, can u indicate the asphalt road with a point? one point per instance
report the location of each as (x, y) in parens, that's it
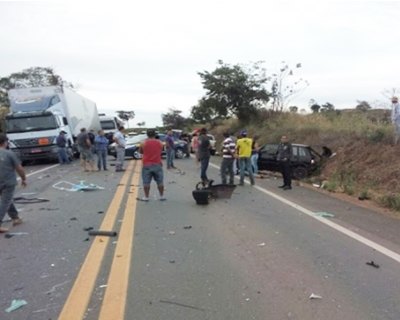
(259, 255)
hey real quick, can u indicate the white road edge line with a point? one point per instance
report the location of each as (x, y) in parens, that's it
(41, 170)
(387, 252)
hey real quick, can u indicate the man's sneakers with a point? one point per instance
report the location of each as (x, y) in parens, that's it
(16, 221)
(162, 198)
(145, 199)
(287, 188)
(3, 230)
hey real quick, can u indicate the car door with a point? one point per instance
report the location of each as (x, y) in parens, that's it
(267, 157)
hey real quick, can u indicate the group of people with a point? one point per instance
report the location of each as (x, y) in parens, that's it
(92, 146)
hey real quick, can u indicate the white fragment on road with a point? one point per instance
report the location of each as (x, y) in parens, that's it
(262, 244)
(315, 296)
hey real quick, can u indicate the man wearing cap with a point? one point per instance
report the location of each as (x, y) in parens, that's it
(61, 141)
(243, 150)
(396, 118)
(151, 150)
(9, 164)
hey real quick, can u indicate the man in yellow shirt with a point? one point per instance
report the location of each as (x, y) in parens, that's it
(243, 150)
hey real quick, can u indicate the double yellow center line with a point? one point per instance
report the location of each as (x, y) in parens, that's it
(114, 301)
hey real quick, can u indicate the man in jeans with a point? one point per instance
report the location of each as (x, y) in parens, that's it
(120, 142)
(228, 157)
(204, 155)
(243, 149)
(61, 141)
(151, 150)
(170, 150)
(9, 164)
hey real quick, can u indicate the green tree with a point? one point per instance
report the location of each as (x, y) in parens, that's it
(293, 109)
(363, 105)
(327, 107)
(315, 107)
(125, 115)
(173, 119)
(233, 90)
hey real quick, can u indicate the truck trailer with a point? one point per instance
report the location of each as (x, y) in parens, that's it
(39, 114)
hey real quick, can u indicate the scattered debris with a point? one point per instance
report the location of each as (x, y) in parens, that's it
(171, 233)
(53, 288)
(372, 264)
(100, 212)
(9, 235)
(324, 214)
(102, 233)
(187, 227)
(171, 261)
(316, 185)
(87, 239)
(181, 305)
(103, 286)
(88, 229)
(16, 304)
(23, 200)
(74, 219)
(262, 244)
(49, 209)
(72, 187)
(315, 296)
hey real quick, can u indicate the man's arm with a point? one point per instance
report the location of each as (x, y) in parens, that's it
(21, 172)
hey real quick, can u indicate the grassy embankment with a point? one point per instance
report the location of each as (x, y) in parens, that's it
(366, 164)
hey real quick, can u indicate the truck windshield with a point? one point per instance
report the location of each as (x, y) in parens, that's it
(33, 123)
(108, 125)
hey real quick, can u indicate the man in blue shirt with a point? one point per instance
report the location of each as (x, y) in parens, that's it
(62, 148)
(101, 144)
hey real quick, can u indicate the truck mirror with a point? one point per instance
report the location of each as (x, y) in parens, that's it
(65, 121)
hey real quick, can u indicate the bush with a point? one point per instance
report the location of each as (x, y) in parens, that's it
(391, 201)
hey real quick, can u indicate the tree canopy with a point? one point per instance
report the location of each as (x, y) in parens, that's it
(173, 119)
(125, 115)
(232, 90)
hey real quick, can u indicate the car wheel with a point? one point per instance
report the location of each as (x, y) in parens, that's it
(179, 153)
(300, 173)
(137, 155)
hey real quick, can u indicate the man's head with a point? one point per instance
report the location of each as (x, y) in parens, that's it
(62, 132)
(3, 140)
(203, 131)
(151, 133)
(243, 133)
(83, 130)
(169, 132)
(284, 139)
(121, 128)
(395, 100)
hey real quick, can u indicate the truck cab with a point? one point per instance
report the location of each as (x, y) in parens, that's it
(109, 125)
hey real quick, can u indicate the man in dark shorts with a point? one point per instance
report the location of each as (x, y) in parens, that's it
(151, 150)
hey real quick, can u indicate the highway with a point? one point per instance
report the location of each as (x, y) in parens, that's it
(263, 254)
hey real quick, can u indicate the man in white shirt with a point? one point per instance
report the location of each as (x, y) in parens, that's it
(396, 118)
(120, 142)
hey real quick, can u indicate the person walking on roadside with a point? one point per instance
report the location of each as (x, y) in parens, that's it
(151, 150)
(101, 144)
(243, 150)
(228, 158)
(283, 156)
(61, 142)
(204, 155)
(170, 149)
(120, 142)
(396, 118)
(85, 150)
(254, 155)
(9, 166)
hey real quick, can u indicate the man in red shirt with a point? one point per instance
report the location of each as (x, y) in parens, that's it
(151, 150)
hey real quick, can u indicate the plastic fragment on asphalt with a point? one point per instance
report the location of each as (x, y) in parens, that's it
(73, 187)
(16, 304)
(323, 214)
(103, 286)
(315, 296)
(372, 264)
(9, 235)
(102, 233)
(171, 233)
(23, 200)
(262, 244)
(187, 227)
(88, 229)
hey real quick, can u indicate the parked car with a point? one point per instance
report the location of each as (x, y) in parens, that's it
(133, 145)
(305, 159)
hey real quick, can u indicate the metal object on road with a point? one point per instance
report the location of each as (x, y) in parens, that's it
(102, 233)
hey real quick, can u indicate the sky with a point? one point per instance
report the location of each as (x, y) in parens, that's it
(145, 55)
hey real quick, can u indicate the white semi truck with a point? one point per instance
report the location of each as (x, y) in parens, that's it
(39, 114)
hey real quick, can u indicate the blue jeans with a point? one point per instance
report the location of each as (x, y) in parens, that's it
(227, 168)
(101, 159)
(203, 168)
(62, 155)
(245, 164)
(6, 205)
(254, 159)
(170, 158)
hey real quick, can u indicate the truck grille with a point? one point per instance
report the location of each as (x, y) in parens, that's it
(34, 142)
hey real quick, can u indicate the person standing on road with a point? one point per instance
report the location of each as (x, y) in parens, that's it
(9, 166)
(61, 142)
(120, 142)
(204, 154)
(228, 158)
(195, 146)
(101, 144)
(396, 118)
(283, 156)
(85, 150)
(170, 149)
(254, 154)
(151, 150)
(243, 149)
